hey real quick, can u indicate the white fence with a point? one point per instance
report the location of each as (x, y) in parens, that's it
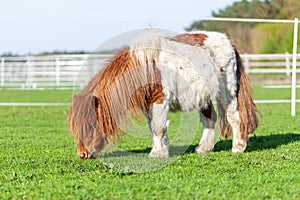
(72, 71)
(53, 71)
(269, 63)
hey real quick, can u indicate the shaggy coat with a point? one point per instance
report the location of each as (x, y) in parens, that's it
(156, 74)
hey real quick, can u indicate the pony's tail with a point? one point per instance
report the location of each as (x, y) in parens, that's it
(247, 108)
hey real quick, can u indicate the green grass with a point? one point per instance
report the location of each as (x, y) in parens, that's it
(40, 96)
(261, 93)
(38, 157)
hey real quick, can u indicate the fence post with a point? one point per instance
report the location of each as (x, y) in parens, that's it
(246, 63)
(57, 71)
(287, 64)
(29, 72)
(294, 67)
(2, 70)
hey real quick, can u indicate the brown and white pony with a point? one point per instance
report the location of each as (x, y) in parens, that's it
(156, 74)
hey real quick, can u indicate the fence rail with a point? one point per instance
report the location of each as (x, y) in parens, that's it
(73, 71)
(52, 71)
(269, 63)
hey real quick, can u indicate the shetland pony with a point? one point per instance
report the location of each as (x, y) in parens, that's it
(156, 74)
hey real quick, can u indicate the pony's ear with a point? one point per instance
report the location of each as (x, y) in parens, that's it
(95, 103)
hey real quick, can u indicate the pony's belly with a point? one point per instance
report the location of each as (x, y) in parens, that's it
(184, 101)
(175, 107)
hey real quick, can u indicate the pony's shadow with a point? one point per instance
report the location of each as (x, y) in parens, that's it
(255, 143)
(173, 151)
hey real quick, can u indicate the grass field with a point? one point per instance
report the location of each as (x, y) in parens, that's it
(38, 157)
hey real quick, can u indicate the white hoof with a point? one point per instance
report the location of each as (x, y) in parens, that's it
(159, 154)
(238, 149)
(202, 149)
(235, 150)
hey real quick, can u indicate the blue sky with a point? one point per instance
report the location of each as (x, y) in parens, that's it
(37, 26)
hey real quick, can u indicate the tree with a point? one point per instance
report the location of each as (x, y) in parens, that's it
(255, 37)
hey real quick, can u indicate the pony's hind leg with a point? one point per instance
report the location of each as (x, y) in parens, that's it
(158, 125)
(239, 143)
(207, 141)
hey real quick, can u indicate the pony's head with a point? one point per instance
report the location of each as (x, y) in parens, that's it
(91, 149)
(100, 111)
(83, 123)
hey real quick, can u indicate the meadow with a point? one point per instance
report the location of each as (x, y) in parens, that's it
(39, 161)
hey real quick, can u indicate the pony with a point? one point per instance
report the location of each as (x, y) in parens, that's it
(156, 74)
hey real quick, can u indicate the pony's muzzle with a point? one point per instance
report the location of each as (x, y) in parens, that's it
(92, 152)
(86, 155)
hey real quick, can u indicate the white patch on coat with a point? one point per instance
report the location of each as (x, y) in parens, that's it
(219, 47)
(189, 76)
(146, 47)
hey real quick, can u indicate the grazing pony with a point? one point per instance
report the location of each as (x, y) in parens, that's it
(156, 74)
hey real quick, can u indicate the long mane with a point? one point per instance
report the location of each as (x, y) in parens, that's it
(130, 82)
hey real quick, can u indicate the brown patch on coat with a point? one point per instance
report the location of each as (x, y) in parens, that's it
(222, 70)
(195, 39)
(209, 112)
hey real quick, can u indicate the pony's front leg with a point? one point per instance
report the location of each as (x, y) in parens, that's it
(158, 125)
(208, 119)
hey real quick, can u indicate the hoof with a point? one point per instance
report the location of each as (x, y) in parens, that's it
(238, 150)
(159, 154)
(201, 149)
(240, 147)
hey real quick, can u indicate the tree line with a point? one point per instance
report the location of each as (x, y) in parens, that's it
(256, 37)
